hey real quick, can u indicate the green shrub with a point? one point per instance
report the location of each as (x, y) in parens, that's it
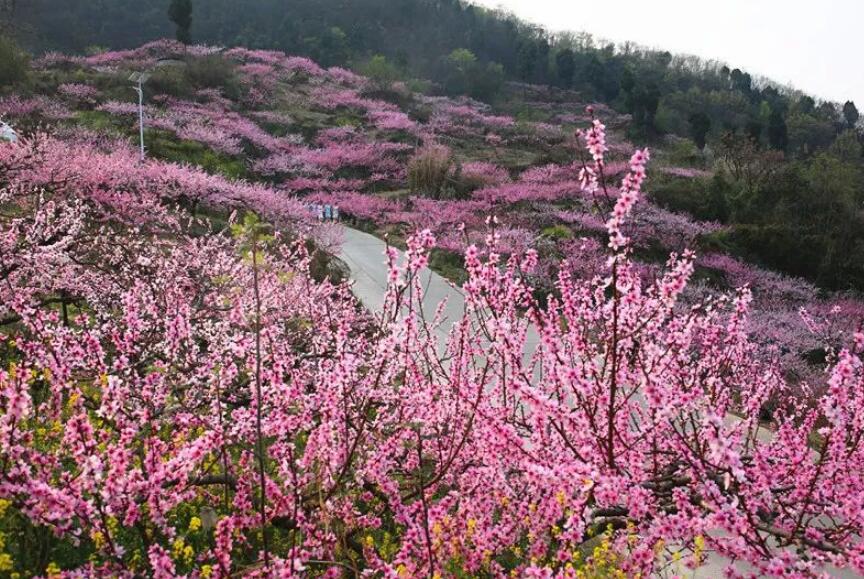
(380, 71)
(14, 64)
(170, 80)
(213, 72)
(448, 264)
(167, 147)
(557, 232)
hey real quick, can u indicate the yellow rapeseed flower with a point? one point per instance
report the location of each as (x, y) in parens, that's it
(5, 562)
(98, 539)
(699, 542)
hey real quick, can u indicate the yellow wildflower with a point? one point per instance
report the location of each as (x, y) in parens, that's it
(178, 548)
(98, 539)
(194, 524)
(699, 542)
(5, 562)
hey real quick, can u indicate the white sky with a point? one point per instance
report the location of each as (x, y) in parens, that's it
(814, 46)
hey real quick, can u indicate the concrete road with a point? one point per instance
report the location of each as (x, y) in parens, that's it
(364, 255)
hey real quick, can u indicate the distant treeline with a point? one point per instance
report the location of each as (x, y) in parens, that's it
(790, 177)
(464, 48)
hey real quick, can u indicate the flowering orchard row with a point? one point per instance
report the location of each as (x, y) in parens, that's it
(176, 401)
(332, 136)
(338, 138)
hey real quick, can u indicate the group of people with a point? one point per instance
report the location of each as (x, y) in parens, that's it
(7, 133)
(324, 212)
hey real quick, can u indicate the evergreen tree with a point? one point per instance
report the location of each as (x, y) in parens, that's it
(565, 62)
(700, 126)
(180, 13)
(851, 114)
(778, 134)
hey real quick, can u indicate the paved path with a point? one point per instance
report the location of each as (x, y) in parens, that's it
(364, 255)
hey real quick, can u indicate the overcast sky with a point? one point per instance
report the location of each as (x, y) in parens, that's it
(815, 46)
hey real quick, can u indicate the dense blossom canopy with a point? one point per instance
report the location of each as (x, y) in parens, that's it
(186, 397)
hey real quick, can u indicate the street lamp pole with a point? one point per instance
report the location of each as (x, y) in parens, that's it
(139, 78)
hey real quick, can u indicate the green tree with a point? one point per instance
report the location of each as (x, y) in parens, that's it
(487, 82)
(459, 66)
(754, 128)
(700, 126)
(462, 59)
(628, 81)
(741, 81)
(644, 103)
(565, 63)
(778, 133)
(806, 105)
(851, 114)
(14, 63)
(847, 147)
(380, 71)
(527, 58)
(464, 74)
(180, 13)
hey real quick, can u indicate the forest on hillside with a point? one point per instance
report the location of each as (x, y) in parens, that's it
(801, 160)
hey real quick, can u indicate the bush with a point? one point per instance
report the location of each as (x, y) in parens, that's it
(213, 72)
(171, 81)
(14, 64)
(557, 233)
(167, 147)
(448, 264)
(430, 171)
(381, 72)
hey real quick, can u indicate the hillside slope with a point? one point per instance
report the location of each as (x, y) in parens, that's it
(186, 389)
(396, 161)
(794, 167)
